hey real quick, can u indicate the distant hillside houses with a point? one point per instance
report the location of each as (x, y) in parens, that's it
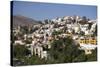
(82, 30)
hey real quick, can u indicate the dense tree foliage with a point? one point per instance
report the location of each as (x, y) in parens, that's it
(64, 50)
(56, 32)
(20, 51)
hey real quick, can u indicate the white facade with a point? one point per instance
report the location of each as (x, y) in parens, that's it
(19, 42)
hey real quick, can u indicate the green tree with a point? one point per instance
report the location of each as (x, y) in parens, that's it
(93, 56)
(95, 33)
(57, 32)
(64, 50)
(34, 60)
(20, 51)
(80, 58)
(46, 21)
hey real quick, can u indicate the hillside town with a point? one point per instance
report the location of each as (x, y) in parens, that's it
(38, 38)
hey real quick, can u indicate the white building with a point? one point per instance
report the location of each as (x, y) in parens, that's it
(19, 42)
(76, 28)
(84, 27)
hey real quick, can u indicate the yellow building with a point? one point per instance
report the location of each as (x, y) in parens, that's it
(82, 41)
(85, 42)
(91, 40)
